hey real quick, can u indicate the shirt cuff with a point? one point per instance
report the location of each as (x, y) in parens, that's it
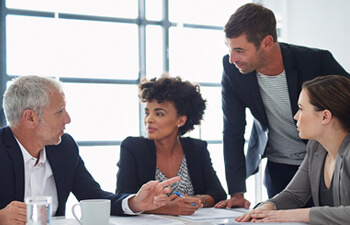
(126, 208)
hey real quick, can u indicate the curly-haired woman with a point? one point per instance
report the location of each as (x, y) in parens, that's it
(172, 109)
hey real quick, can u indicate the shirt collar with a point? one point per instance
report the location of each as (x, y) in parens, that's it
(28, 157)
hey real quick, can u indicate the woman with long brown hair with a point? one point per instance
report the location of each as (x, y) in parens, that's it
(324, 175)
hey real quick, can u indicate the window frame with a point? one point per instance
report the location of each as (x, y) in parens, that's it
(141, 23)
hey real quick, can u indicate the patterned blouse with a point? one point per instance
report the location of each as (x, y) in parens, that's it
(184, 186)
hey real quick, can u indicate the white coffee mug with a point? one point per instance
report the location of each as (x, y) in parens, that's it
(38, 210)
(93, 211)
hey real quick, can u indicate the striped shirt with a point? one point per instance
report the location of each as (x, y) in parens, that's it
(284, 144)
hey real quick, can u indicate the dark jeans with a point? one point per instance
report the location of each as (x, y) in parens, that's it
(277, 177)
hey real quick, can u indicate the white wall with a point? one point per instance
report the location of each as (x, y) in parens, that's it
(318, 23)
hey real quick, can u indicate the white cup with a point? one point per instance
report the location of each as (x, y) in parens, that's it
(93, 211)
(38, 210)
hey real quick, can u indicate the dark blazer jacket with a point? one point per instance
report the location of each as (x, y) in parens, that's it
(241, 91)
(67, 167)
(137, 166)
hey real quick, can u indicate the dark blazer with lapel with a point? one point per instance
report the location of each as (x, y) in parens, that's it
(67, 167)
(241, 91)
(137, 166)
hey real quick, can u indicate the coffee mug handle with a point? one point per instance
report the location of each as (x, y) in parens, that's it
(73, 207)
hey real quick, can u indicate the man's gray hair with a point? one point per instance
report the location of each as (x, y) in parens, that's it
(28, 92)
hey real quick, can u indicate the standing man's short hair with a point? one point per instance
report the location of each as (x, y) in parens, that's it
(28, 92)
(255, 21)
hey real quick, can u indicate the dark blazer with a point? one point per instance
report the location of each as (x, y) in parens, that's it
(67, 167)
(137, 166)
(241, 91)
(306, 184)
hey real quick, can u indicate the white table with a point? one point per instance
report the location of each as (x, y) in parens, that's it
(131, 221)
(137, 220)
(206, 216)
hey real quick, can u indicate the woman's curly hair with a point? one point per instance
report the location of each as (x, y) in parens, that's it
(185, 96)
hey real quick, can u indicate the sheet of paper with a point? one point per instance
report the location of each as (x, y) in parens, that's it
(142, 220)
(126, 220)
(215, 213)
(232, 221)
(284, 223)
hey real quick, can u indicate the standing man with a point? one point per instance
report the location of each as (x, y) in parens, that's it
(264, 76)
(38, 158)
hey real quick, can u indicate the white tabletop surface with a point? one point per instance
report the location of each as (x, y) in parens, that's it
(222, 217)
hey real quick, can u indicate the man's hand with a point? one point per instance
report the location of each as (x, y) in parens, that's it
(14, 213)
(236, 200)
(151, 195)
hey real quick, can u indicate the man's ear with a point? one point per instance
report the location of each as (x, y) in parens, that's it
(267, 42)
(29, 117)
